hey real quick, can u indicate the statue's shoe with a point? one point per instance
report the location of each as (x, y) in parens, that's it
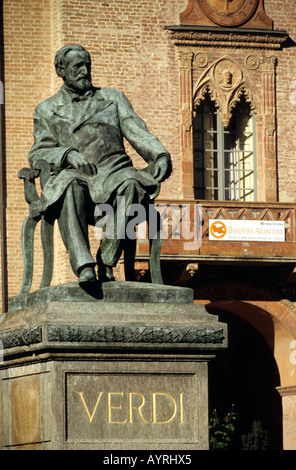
(106, 274)
(87, 275)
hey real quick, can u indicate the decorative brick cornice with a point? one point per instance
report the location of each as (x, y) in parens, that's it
(224, 37)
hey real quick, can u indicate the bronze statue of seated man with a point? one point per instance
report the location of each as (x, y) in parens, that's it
(80, 132)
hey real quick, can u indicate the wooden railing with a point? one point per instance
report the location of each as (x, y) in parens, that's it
(176, 245)
(249, 211)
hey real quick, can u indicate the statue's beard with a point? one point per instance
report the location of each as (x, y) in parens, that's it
(79, 85)
(83, 84)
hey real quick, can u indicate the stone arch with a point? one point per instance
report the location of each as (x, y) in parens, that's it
(247, 377)
(275, 320)
(251, 97)
(273, 317)
(207, 87)
(227, 95)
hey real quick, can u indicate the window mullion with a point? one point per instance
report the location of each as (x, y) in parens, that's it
(255, 168)
(239, 158)
(221, 166)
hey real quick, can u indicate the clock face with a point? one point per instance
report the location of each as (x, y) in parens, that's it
(228, 12)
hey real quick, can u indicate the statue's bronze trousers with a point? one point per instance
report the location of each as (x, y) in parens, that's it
(77, 212)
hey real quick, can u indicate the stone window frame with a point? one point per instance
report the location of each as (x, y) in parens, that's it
(238, 185)
(192, 44)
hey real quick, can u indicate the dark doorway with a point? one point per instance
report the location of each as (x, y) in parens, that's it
(245, 376)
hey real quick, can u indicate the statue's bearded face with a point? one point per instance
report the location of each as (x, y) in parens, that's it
(77, 74)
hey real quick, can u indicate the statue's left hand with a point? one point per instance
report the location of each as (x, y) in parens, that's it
(78, 162)
(162, 168)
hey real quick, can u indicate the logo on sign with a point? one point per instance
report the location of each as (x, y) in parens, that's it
(218, 229)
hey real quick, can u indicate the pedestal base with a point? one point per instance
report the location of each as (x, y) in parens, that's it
(107, 374)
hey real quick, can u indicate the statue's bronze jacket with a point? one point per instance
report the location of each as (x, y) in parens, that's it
(96, 128)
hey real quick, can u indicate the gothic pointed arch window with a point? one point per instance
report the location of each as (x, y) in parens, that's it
(225, 158)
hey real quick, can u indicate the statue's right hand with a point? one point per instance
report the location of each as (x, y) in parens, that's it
(77, 161)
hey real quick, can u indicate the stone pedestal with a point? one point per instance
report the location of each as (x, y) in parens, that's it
(125, 369)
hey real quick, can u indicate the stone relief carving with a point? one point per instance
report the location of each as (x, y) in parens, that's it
(227, 73)
(113, 334)
(135, 334)
(252, 62)
(185, 59)
(226, 81)
(238, 40)
(22, 337)
(187, 118)
(201, 60)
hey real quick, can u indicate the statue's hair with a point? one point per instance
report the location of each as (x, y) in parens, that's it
(60, 57)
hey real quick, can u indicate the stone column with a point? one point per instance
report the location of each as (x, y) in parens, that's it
(268, 64)
(186, 138)
(288, 394)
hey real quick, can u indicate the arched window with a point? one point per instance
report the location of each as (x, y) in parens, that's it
(225, 160)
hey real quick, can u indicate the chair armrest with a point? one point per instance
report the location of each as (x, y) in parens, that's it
(42, 171)
(29, 176)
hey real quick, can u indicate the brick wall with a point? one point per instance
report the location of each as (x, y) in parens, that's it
(130, 51)
(284, 17)
(27, 41)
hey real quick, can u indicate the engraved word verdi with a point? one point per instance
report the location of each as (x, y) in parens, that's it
(121, 407)
(128, 406)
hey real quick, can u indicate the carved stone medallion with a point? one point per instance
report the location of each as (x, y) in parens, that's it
(228, 12)
(227, 74)
(201, 60)
(252, 62)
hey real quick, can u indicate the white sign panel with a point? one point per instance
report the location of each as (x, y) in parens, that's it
(247, 230)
